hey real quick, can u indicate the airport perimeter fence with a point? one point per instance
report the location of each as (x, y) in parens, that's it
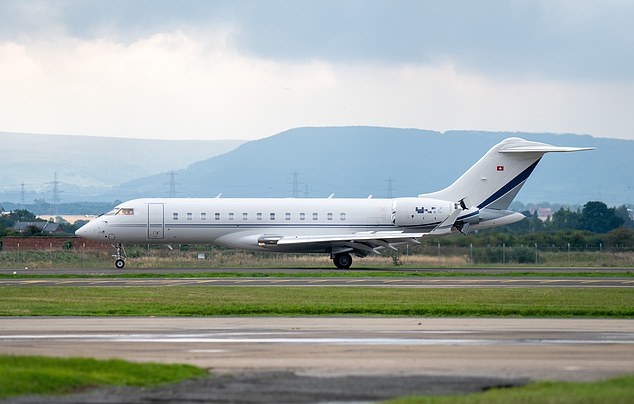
(426, 255)
(503, 254)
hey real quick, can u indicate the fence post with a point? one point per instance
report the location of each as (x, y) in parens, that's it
(471, 253)
(439, 253)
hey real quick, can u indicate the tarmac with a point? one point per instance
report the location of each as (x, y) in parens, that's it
(331, 359)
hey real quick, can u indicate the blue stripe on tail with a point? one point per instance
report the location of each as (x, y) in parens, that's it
(521, 177)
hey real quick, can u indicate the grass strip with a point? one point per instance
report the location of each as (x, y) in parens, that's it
(618, 390)
(22, 375)
(300, 301)
(484, 273)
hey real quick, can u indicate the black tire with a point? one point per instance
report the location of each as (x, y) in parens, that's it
(119, 264)
(342, 261)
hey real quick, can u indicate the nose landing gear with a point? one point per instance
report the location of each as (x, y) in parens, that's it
(119, 256)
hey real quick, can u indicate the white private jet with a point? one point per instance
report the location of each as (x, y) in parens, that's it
(340, 227)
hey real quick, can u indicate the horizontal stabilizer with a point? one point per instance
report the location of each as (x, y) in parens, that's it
(534, 147)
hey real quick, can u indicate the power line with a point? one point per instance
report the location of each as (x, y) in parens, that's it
(56, 191)
(295, 191)
(22, 195)
(172, 184)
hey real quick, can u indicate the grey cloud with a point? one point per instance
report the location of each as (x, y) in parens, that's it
(496, 37)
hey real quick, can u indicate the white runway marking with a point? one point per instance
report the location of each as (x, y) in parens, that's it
(297, 338)
(559, 349)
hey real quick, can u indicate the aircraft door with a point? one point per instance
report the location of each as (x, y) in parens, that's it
(155, 221)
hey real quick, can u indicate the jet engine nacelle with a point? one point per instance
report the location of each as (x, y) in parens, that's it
(420, 211)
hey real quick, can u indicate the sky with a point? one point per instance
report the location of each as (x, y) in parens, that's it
(241, 69)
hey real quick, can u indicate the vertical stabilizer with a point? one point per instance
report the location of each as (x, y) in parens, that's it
(499, 175)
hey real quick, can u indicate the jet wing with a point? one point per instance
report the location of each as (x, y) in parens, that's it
(362, 242)
(447, 224)
(388, 236)
(366, 242)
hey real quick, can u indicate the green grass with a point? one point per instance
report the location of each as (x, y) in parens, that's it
(20, 375)
(327, 273)
(614, 391)
(298, 301)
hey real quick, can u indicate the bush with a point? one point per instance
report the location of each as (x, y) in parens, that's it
(498, 254)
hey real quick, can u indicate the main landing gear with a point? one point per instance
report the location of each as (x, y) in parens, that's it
(119, 256)
(342, 260)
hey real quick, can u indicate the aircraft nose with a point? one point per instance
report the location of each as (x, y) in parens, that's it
(82, 231)
(90, 230)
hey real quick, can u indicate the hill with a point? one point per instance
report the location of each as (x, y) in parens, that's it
(86, 166)
(358, 161)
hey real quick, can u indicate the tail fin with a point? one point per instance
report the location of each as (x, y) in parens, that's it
(498, 176)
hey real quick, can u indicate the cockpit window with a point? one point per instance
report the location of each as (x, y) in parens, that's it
(120, 211)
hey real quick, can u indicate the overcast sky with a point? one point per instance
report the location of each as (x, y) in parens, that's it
(249, 69)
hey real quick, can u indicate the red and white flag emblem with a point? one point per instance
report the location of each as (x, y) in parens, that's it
(500, 168)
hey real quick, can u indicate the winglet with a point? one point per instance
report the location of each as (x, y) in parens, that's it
(446, 225)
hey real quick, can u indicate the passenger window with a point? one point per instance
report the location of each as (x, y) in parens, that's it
(231, 215)
(259, 216)
(203, 216)
(315, 216)
(287, 216)
(302, 216)
(217, 216)
(175, 216)
(329, 215)
(245, 216)
(190, 216)
(272, 216)
(342, 216)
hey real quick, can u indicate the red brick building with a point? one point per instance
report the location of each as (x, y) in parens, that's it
(12, 243)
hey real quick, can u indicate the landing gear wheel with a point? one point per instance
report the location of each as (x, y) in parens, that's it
(342, 261)
(119, 256)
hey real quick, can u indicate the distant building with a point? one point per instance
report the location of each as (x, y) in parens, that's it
(44, 227)
(544, 214)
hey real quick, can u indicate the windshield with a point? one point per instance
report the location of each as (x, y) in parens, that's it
(120, 211)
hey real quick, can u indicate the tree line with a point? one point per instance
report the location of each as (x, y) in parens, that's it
(594, 226)
(9, 219)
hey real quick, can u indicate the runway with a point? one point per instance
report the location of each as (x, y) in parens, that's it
(323, 359)
(382, 282)
(555, 349)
